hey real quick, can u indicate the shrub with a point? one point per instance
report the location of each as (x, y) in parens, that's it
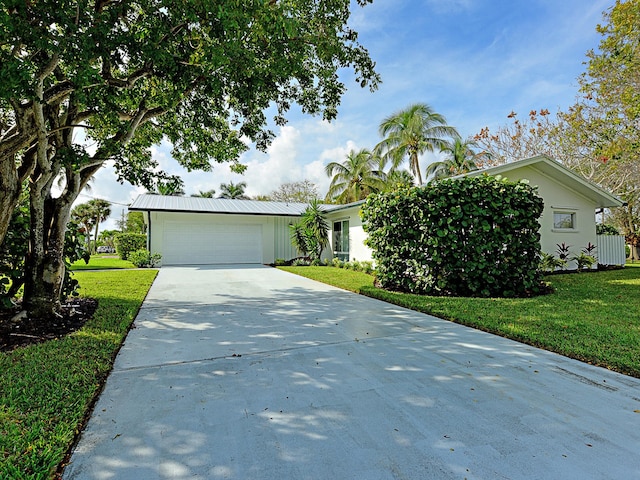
(367, 267)
(144, 258)
(311, 235)
(280, 262)
(465, 237)
(126, 243)
(604, 229)
(584, 261)
(549, 263)
(300, 262)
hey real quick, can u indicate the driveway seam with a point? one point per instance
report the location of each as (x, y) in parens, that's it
(267, 352)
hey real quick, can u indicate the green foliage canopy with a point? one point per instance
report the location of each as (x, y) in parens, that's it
(464, 237)
(86, 81)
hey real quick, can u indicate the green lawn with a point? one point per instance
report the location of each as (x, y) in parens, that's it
(46, 389)
(102, 262)
(593, 317)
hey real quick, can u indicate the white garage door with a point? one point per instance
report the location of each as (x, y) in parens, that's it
(207, 244)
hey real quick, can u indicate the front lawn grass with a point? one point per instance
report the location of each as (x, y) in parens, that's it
(593, 317)
(47, 389)
(100, 262)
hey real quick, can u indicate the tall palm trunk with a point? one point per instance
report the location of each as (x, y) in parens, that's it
(415, 166)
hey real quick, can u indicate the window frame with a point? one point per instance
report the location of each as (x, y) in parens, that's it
(572, 212)
(339, 236)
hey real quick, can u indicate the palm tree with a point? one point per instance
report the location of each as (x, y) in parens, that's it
(100, 210)
(398, 178)
(207, 194)
(412, 132)
(233, 191)
(461, 158)
(84, 216)
(311, 235)
(355, 178)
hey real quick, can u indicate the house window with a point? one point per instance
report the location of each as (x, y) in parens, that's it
(341, 240)
(564, 220)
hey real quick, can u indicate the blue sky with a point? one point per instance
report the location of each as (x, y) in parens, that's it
(473, 61)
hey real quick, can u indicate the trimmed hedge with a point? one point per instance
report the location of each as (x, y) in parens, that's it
(464, 237)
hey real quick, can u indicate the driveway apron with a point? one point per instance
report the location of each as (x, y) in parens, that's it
(248, 372)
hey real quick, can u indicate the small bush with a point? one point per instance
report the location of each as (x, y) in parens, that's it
(604, 229)
(300, 262)
(144, 258)
(280, 262)
(584, 261)
(367, 267)
(549, 263)
(127, 243)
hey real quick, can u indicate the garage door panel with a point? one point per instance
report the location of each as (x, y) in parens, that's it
(206, 244)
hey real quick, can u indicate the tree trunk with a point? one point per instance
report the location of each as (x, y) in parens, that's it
(10, 189)
(44, 268)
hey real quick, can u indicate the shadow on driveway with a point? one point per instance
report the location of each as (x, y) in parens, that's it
(254, 373)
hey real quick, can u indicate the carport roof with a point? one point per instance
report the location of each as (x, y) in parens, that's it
(166, 203)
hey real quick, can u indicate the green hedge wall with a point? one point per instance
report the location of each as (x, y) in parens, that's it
(463, 237)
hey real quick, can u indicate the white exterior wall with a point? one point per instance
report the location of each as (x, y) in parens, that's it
(357, 249)
(275, 230)
(557, 197)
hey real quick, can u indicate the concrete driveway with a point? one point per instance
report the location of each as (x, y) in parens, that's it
(253, 373)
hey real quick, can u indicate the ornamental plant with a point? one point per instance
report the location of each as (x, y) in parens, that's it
(127, 243)
(464, 237)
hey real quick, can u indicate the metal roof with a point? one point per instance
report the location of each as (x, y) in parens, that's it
(166, 203)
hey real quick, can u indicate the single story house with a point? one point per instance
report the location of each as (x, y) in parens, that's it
(194, 230)
(207, 231)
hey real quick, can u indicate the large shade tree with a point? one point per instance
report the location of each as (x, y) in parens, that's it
(121, 76)
(410, 133)
(355, 178)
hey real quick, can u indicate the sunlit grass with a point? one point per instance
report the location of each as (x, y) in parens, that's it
(102, 262)
(593, 317)
(46, 389)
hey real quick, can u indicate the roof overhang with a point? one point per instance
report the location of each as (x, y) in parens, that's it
(559, 173)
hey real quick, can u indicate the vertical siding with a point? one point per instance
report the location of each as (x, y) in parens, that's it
(611, 250)
(282, 238)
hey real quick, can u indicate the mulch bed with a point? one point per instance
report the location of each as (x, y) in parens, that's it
(26, 331)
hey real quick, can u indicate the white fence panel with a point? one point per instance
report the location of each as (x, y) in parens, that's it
(611, 250)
